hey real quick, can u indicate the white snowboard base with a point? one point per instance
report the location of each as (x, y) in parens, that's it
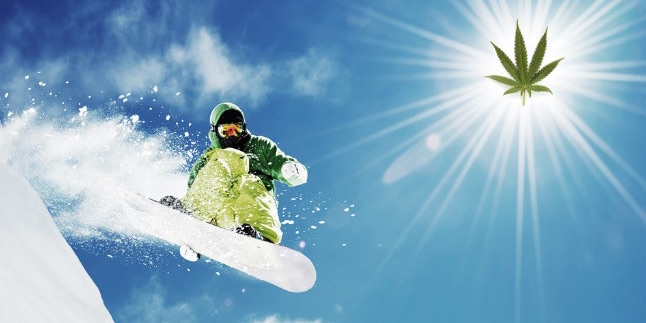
(275, 264)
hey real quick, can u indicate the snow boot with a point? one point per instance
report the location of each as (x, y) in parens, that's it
(174, 203)
(248, 230)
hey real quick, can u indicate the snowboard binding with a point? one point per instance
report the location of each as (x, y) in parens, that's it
(248, 230)
(174, 203)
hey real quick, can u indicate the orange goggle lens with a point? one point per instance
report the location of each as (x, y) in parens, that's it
(229, 129)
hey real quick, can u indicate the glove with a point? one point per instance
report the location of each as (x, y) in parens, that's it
(294, 173)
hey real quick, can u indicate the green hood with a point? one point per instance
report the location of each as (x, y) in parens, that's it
(215, 116)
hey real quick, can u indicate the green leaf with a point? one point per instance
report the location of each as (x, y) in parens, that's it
(521, 55)
(513, 90)
(524, 77)
(503, 80)
(545, 71)
(537, 58)
(540, 88)
(506, 62)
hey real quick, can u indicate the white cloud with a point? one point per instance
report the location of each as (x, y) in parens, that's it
(124, 19)
(312, 73)
(149, 304)
(203, 62)
(212, 61)
(275, 318)
(140, 47)
(139, 74)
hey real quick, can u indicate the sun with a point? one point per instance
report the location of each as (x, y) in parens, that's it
(472, 121)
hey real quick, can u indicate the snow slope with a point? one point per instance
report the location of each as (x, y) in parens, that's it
(41, 278)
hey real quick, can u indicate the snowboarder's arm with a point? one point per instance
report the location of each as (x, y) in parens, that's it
(285, 168)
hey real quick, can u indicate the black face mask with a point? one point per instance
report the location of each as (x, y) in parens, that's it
(236, 142)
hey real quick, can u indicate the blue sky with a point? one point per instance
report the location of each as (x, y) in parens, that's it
(431, 195)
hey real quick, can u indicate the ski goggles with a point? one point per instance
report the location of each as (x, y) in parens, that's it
(228, 129)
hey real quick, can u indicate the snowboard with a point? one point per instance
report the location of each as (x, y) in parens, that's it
(275, 264)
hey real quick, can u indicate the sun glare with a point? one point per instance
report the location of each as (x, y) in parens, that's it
(482, 117)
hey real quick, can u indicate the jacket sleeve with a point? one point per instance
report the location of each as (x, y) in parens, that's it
(201, 161)
(276, 158)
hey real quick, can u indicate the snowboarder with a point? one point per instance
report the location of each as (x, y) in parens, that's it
(231, 185)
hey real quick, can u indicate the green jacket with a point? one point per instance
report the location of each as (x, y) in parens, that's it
(223, 190)
(265, 158)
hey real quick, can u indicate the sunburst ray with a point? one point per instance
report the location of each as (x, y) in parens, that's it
(579, 32)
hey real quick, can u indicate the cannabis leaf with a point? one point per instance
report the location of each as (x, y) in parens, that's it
(524, 77)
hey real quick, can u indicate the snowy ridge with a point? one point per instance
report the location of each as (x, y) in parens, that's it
(41, 279)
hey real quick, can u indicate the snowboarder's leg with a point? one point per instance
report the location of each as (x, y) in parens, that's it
(224, 194)
(257, 207)
(210, 196)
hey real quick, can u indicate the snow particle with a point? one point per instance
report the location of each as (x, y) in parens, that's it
(83, 111)
(301, 244)
(155, 89)
(6, 95)
(178, 93)
(167, 117)
(26, 77)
